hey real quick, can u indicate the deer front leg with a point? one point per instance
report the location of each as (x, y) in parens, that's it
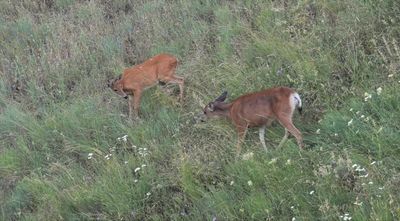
(130, 105)
(261, 132)
(241, 135)
(136, 102)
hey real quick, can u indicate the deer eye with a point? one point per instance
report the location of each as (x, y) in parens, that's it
(115, 90)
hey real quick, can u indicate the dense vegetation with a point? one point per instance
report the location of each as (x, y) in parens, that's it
(68, 152)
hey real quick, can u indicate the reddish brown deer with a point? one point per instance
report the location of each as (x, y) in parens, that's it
(259, 109)
(131, 84)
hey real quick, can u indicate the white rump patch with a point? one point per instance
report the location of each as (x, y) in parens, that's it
(295, 100)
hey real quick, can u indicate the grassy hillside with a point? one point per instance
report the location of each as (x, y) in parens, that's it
(68, 152)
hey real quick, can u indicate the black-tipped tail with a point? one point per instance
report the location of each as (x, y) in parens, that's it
(300, 109)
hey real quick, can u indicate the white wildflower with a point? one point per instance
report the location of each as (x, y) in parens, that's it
(292, 207)
(125, 162)
(137, 169)
(350, 122)
(123, 138)
(370, 182)
(354, 165)
(272, 161)
(362, 116)
(373, 162)
(379, 90)
(148, 194)
(143, 152)
(232, 182)
(294, 218)
(288, 162)
(390, 75)
(351, 110)
(381, 188)
(90, 155)
(360, 169)
(248, 156)
(250, 183)
(358, 112)
(318, 131)
(312, 192)
(367, 96)
(358, 203)
(143, 165)
(346, 217)
(135, 180)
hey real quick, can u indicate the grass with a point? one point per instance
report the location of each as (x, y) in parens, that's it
(68, 152)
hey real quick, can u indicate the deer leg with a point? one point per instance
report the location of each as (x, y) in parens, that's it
(181, 83)
(287, 123)
(261, 132)
(241, 135)
(130, 105)
(177, 80)
(284, 139)
(136, 102)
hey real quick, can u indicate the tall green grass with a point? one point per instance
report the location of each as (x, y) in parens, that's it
(68, 151)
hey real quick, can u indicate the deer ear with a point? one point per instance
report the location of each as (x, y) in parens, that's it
(222, 97)
(211, 107)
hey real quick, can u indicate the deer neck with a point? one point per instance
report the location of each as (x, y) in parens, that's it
(223, 110)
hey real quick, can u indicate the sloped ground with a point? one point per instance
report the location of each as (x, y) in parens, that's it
(67, 151)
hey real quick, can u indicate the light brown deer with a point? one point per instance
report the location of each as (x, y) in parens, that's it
(131, 84)
(259, 109)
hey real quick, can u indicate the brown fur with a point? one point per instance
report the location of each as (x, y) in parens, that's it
(258, 109)
(134, 80)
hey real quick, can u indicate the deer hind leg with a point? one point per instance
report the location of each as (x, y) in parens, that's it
(170, 77)
(286, 121)
(284, 139)
(180, 81)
